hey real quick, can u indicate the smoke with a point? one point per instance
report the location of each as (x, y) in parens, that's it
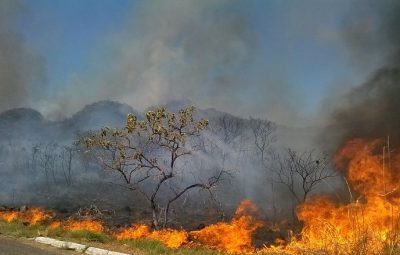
(204, 51)
(372, 109)
(21, 71)
(169, 50)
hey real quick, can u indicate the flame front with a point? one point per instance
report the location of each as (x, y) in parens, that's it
(234, 236)
(31, 215)
(87, 224)
(135, 232)
(369, 224)
(9, 215)
(169, 237)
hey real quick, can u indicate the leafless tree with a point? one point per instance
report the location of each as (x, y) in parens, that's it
(263, 132)
(149, 157)
(66, 162)
(47, 161)
(301, 173)
(263, 136)
(229, 127)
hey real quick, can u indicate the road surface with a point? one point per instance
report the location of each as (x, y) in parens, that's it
(10, 246)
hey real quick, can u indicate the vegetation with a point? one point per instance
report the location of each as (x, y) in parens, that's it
(152, 155)
(140, 246)
(301, 173)
(164, 156)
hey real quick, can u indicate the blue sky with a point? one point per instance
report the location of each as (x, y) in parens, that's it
(66, 32)
(298, 47)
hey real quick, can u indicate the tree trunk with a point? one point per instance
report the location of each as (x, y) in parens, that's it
(166, 211)
(155, 215)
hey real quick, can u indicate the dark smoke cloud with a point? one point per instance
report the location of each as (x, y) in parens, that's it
(372, 110)
(21, 71)
(374, 107)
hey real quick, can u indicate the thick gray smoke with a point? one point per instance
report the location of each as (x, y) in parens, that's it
(374, 107)
(372, 110)
(171, 50)
(21, 71)
(205, 51)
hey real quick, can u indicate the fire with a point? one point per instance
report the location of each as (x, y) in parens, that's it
(9, 215)
(36, 215)
(169, 237)
(87, 224)
(234, 236)
(134, 232)
(31, 215)
(366, 169)
(370, 223)
(55, 224)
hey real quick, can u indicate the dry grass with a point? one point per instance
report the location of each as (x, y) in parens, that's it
(17, 229)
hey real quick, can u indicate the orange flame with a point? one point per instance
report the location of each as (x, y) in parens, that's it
(134, 232)
(9, 215)
(31, 215)
(370, 223)
(169, 237)
(234, 236)
(87, 224)
(55, 224)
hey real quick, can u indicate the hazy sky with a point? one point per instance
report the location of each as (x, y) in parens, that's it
(277, 59)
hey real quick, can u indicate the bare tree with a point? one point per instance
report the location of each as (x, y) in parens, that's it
(302, 172)
(47, 161)
(229, 127)
(149, 157)
(66, 161)
(263, 132)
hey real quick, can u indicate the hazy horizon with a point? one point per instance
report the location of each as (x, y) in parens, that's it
(289, 62)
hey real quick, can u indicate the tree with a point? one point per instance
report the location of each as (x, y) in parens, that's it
(263, 135)
(66, 157)
(302, 172)
(228, 127)
(47, 161)
(150, 156)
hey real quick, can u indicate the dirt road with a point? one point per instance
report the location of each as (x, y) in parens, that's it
(9, 246)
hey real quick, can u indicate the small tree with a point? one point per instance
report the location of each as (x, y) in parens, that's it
(149, 156)
(47, 161)
(66, 157)
(263, 132)
(302, 172)
(228, 127)
(263, 136)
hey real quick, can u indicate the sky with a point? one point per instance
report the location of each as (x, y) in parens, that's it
(275, 59)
